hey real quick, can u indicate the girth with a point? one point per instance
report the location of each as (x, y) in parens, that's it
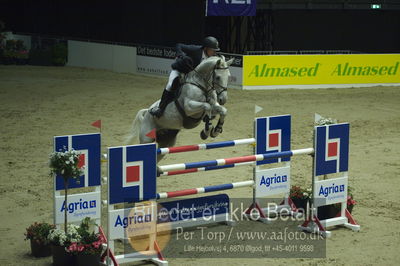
(188, 122)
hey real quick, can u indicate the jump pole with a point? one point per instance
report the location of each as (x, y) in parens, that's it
(234, 160)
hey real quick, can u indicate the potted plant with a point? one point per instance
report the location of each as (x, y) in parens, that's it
(88, 249)
(38, 234)
(66, 164)
(300, 197)
(350, 202)
(60, 241)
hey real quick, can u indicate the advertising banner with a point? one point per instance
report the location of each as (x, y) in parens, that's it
(276, 70)
(330, 191)
(78, 207)
(231, 7)
(88, 145)
(156, 60)
(272, 181)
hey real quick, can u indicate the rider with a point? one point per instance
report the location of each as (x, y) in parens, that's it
(188, 58)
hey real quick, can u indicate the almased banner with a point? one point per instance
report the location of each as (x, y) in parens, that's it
(277, 70)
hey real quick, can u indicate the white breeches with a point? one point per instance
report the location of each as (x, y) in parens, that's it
(172, 75)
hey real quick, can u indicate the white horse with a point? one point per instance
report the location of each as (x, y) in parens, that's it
(201, 97)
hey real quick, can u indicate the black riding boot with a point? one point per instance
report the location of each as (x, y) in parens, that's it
(166, 98)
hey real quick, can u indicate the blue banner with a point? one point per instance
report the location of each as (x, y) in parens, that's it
(89, 146)
(132, 173)
(193, 208)
(273, 135)
(331, 149)
(231, 7)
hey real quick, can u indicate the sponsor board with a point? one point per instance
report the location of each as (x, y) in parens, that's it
(128, 168)
(330, 191)
(272, 181)
(154, 60)
(88, 145)
(131, 222)
(78, 207)
(193, 209)
(331, 149)
(231, 7)
(321, 69)
(273, 135)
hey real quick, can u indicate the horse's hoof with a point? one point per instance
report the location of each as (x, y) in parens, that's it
(215, 132)
(203, 135)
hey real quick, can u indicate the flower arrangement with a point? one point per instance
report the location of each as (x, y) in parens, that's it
(67, 164)
(296, 192)
(322, 121)
(59, 237)
(350, 201)
(39, 232)
(89, 243)
(300, 197)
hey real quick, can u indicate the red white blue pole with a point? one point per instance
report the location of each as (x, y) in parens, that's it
(201, 190)
(206, 146)
(195, 170)
(233, 160)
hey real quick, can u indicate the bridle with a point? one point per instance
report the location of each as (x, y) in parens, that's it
(217, 84)
(213, 84)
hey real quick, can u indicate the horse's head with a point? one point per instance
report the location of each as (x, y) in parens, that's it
(220, 79)
(216, 71)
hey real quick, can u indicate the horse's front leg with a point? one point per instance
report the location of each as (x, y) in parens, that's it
(222, 111)
(195, 107)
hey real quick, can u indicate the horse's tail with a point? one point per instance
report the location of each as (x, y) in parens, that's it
(135, 130)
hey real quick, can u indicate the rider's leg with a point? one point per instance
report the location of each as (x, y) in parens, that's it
(168, 94)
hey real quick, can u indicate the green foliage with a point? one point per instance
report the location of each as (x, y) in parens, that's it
(59, 54)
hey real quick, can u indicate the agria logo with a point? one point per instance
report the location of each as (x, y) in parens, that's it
(276, 179)
(333, 189)
(78, 205)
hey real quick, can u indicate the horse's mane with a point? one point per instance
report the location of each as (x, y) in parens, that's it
(210, 62)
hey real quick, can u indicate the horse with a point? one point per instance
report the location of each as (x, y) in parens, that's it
(201, 97)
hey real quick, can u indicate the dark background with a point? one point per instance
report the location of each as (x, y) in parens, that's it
(293, 25)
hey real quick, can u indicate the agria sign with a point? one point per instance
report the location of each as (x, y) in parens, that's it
(330, 191)
(272, 181)
(78, 207)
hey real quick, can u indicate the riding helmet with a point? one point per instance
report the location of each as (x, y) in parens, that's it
(211, 42)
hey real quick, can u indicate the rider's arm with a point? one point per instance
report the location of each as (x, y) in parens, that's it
(184, 49)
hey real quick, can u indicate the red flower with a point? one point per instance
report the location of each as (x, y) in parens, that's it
(350, 201)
